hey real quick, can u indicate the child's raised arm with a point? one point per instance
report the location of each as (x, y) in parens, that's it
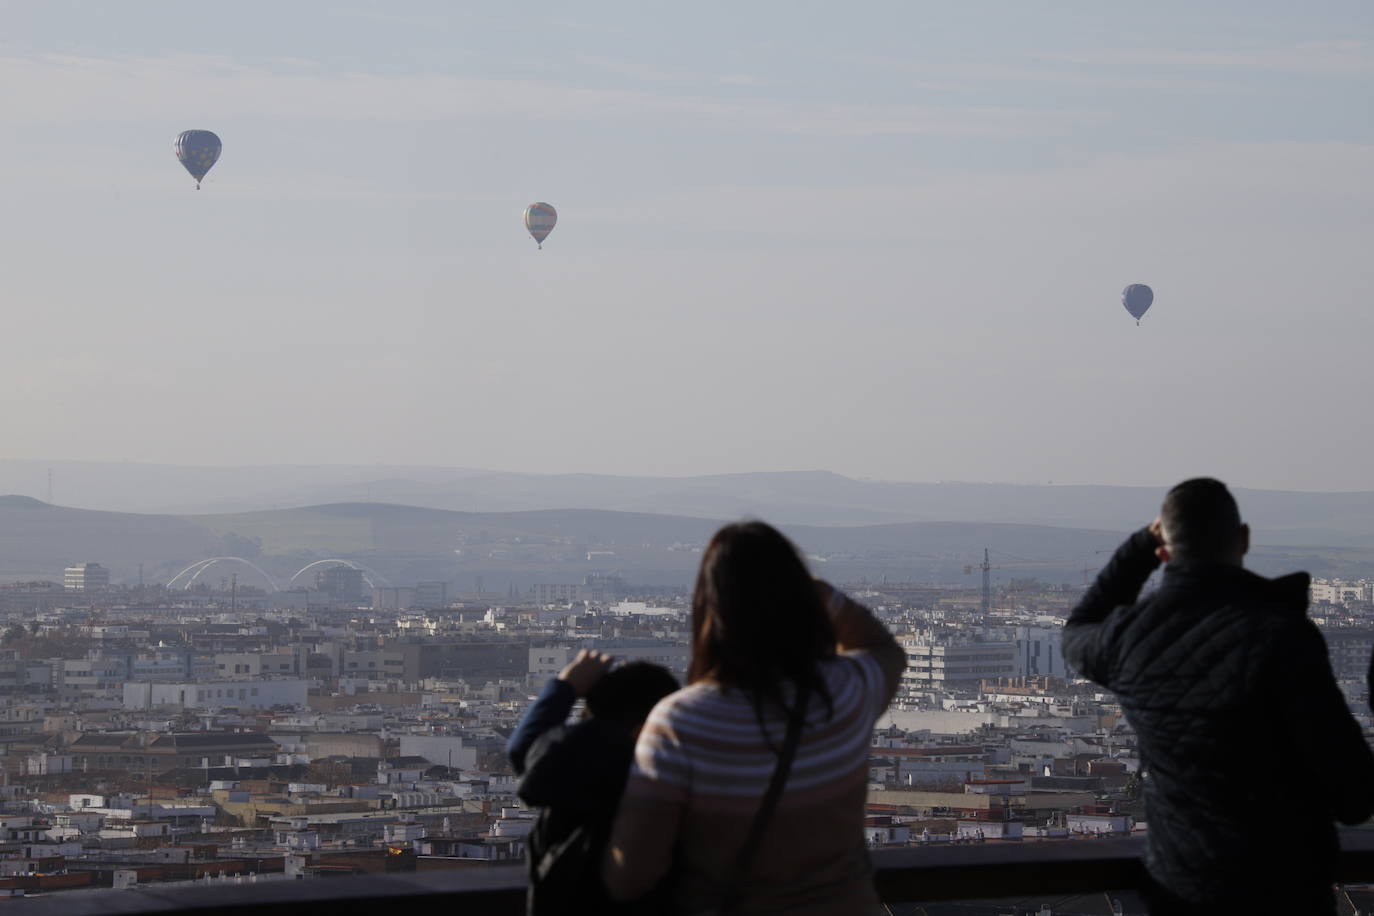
(555, 701)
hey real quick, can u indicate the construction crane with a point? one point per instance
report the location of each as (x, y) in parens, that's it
(987, 568)
(1088, 569)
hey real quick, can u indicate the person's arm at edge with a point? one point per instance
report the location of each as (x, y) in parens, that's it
(857, 628)
(548, 711)
(1119, 583)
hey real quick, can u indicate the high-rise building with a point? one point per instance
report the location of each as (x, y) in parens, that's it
(546, 593)
(602, 588)
(86, 577)
(342, 583)
(430, 595)
(1040, 652)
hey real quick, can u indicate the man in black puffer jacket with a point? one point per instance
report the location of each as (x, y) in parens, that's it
(1249, 749)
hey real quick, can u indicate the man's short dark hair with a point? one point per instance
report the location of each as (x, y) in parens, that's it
(628, 692)
(1201, 521)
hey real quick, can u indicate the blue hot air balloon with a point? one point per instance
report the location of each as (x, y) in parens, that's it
(198, 150)
(539, 221)
(1137, 298)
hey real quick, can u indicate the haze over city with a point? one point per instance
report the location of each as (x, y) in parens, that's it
(887, 241)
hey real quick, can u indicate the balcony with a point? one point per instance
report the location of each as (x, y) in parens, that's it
(905, 875)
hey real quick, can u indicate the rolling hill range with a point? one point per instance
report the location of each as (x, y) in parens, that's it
(816, 498)
(407, 544)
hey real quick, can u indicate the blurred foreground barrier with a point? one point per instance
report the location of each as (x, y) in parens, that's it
(914, 873)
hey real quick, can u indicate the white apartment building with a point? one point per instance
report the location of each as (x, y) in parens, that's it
(547, 661)
(164, 663)
(86, 577)
(259, 694)
(256, 664)
(96, 675)
(1340, 591)
(958, 666)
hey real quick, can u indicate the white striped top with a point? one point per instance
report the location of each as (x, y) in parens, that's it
(706, 740)
(702, 767)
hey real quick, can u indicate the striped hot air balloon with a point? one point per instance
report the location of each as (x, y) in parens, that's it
(198, 150)
(539, 221)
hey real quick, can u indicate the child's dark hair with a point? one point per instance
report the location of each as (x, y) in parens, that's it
(628, 692)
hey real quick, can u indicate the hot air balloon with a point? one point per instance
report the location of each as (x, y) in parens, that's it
(198, 150)
(1137, 298)
(539, 221)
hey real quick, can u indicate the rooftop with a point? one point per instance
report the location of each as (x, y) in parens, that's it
(197, 740)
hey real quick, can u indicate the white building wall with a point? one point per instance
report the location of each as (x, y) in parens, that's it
(547, 661)
(208, 694)
(935, 666)
(942, 721)
(1340, 591)
(1040, 652)
(918, 773)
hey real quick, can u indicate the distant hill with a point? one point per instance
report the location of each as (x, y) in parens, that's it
(408, 544)
(22, 502)
(38, 540)
(798, 498)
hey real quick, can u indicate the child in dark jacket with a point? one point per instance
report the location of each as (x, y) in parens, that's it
(577, 772)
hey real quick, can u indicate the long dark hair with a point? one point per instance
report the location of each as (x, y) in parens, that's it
(757, 617)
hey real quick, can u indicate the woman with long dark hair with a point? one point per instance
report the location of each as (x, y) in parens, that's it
(748, 788)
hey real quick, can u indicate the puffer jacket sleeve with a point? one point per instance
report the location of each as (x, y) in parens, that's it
(1087, 633)
(549, 711)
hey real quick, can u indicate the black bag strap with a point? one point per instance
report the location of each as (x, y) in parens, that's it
(796, 719)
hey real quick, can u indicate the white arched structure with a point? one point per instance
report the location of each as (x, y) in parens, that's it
(194, 571)
(374, 579)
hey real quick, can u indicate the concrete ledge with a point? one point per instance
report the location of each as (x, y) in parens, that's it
(497, 890)
(929, 873)
(914, 873)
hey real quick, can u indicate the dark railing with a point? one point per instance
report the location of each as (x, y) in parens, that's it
(914, 873)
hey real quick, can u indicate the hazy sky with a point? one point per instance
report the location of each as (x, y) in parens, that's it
(885, 239)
